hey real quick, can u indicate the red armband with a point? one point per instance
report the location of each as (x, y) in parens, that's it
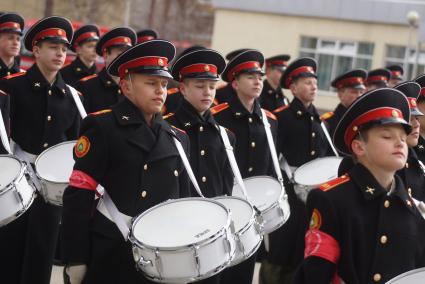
(320, 244)
(82, 180)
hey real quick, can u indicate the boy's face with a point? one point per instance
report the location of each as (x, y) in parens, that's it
(421, 119)
(382, 148)
(348, 95)
(248, 85)
(305, 89)
(87, 51)
(199, 93)
(273, 75)
(113, 53)
(10, 44)
(413, 137)
(50, 55)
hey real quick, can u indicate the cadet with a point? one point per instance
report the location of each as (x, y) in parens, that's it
(129, 150)
(272, 96)
(349, 87)
(84, 45)
(11, 26)
(145, 35)
(365, 228)
(397, 73)
(420, 148)
(102, 91)
(377, 78)
(42, 114)
(243, 116)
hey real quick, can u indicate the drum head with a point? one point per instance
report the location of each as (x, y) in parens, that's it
(181, 222)
(242, 212)
(56, 163)
(317, 171)
(416, 276)
(10, 169)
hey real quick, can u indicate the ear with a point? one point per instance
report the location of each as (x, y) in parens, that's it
(125, 86)
(358, 147)
(36, 51)
(235, 84)
(293, 88)
(182, 88)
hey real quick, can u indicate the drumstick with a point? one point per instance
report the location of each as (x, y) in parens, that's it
(3, 135)
(328, 137)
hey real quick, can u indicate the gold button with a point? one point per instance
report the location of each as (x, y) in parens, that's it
(377, 277)
(253, 144)
(176, 173)
(313, 152)
(383, 239)
(409, 191)
(8, 73)
(201, 128)
(49, 118)
(250, 120)
(108, 82)
(386, 204)
(299, 112)
(202, 152)
(311, 118)
(313, 134)
(119, 91)
(49, 92)
(144, 193)
(204, 179)
(250, 169)
(407, 165)
(145, 167)
(45, 145)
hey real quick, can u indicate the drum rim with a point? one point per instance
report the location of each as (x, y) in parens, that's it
(243, 258)
(19, 176)
(310, 162)
(404, 274)
(208, 240)
(42, 154)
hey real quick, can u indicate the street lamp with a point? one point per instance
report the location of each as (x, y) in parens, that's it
(413, 20)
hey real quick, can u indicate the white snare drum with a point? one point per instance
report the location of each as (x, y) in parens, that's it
(266, 195)
(54, 167)
(183, 240)
(315, 173)
(16, 194)
(247, 230)
(416, 276)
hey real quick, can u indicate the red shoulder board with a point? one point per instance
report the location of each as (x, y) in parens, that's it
(172, 91)
(219, 108)
(331, 184)
(14, 75)
(326, 115)
(100, 112)
(181, 130)
(88, 77)
(279, 109)
(168, 115)
(270, 115)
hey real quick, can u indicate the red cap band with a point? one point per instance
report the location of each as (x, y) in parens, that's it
(376, 79)
(142, 61)
(10, 25)
(298, 71)
(374, 114)
(352, 81)
(276, 62)
(243, 66)
(198, 68)
(396, 73)
(120, 40)
(85, 36)
(422, 93)
(141, 39)
(52, 32)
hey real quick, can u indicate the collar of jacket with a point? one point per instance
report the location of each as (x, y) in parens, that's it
(298, 108)
(240, 111)
(189, 117)
(80, 68)
(39, 82)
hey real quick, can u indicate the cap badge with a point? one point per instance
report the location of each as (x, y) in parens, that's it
(394, 113)
(59, 32)
(206, 68)
(160, 62)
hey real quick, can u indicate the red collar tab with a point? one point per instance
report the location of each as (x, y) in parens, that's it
(154, 61)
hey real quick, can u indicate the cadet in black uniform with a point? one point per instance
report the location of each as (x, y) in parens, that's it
(349, 87)
(42, 114)
(145, 35)
(102, 91)
(364, 227)
(420, 148)
(300, 140)
(129, 150)
(272, 96)
(397, 73)
(377, 78)
(242, 115)
(84, 45)
(11, 26)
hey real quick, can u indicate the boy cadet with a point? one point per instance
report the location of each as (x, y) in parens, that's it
(42, 114)
(365, 228)
(420, 148)
(84, 45)
(377, 78)
(101, 90)
(242, 115)
(11, 26)
(349, 87)
(145, 35)
(272, 96)
(396, 75)
(129, 150)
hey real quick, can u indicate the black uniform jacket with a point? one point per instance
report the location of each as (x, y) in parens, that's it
(224, 94)
(208, 156)
(413, 176)
(139, 166)
(332, 119)
(272, 99)
(6, 71)
(252, 150)
(75, 71)
(361, 232)
(300, 136)
(99, 91)
(41, 115)
(419, 149)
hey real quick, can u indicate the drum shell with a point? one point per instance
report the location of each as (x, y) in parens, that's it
(16, 197)
(415, 276)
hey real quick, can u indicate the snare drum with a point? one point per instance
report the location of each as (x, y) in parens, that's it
(266, 195)
(315, 173)
(416, 276)
(16, 194)
(54, 167)
(182, 240)
(247, 229)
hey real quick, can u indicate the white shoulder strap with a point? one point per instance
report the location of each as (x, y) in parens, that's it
(328, 137)
(3, 135)
(77, 101)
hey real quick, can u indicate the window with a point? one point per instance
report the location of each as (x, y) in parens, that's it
(335, 57)
(400, 55)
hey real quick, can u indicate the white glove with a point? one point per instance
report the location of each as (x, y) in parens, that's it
(76, 273)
